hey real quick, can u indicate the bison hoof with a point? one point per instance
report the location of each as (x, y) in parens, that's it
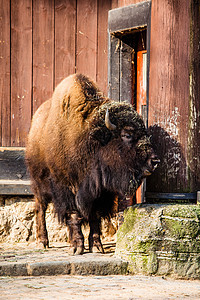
(76, 250)
(42, 244)
(96, 246)
(79, 250)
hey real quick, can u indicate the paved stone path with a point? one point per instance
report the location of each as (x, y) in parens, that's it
(97, 287)
(52, 261)
(23, 260)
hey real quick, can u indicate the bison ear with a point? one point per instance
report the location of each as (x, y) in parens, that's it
(101, 135)
(66, 106)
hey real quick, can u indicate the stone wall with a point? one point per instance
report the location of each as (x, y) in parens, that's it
(161, 240)
(17, 222)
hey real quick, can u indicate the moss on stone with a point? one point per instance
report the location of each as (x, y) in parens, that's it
(161, 239)
(179, 228)
(183, 211)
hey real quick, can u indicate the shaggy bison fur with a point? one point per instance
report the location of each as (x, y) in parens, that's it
(83, 150)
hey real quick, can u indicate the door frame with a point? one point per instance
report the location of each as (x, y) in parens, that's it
(121, 21)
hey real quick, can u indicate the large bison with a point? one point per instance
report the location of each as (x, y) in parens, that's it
(83, 150)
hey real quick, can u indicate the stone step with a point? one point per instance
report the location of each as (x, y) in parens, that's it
(86, 264)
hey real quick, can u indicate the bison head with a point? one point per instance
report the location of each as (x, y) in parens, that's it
(126, 155)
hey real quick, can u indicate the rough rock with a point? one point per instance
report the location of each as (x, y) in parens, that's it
(161, 240)
(17, 222)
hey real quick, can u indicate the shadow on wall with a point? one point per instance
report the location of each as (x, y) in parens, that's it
(172, 173)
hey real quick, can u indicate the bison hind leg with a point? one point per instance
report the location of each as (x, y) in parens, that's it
(41, 231)
(94, 236)
(75, 234)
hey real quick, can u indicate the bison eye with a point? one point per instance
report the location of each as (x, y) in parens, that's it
(126, 137)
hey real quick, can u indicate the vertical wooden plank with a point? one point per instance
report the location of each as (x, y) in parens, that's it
(102, 63)
(125, 73)
(86, 59)
(114, 68)
(169, 94)
(21, 70)
(43, 51)
(5, 73)
(65, 38)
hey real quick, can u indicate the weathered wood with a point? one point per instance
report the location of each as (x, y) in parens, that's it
(65, 38)
(15, 187)
(172, 196)
(174, 36)
(21, 70)
(125, 18)
(169, 94)
(5, 73)
(120, 73)
(194, 102)
(86, 56)
(125, 73)
(12, 164)
(43, 51)
(114, 68)
(102, 44)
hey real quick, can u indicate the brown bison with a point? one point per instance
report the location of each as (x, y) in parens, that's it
(83, 150)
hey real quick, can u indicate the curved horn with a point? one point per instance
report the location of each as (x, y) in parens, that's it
(109, 125)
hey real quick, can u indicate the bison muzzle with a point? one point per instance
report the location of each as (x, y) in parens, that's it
(83, 151)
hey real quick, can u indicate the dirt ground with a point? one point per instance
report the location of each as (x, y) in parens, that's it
(97, 287)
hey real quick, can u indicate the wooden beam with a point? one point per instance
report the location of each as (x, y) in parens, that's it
(125, 18)
(14, 177)
(15, 187)
(171, 196)
(12, 164)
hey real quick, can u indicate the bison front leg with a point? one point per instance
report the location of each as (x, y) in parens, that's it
(76, 236)
(41, 231)
(94, 236)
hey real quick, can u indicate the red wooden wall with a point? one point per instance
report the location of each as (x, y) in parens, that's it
(41, 42)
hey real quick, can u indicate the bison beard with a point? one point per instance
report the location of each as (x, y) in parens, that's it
(83, 150)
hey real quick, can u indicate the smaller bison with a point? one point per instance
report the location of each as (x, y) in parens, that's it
(83, 151)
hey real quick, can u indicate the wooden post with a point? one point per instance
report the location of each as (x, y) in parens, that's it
(194, 99)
